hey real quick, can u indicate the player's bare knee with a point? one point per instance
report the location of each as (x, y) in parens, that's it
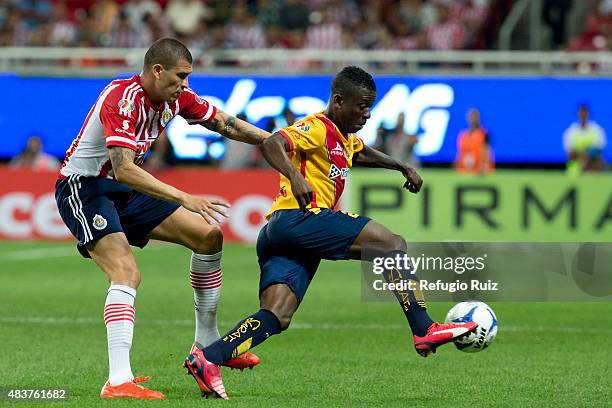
(210, 240)
(125, 272)
(283, 315)
(399, 243)
(393, 243)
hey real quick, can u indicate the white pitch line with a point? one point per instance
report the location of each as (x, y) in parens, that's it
(38, 253)
(295, 326)
(57, 252)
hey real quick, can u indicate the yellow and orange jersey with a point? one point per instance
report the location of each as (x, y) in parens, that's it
(323, 155)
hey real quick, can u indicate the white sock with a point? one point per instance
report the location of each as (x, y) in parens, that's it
(119, 315)
(205, 276)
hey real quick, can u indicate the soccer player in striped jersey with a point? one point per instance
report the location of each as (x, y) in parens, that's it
(109, 202)
(313, 157)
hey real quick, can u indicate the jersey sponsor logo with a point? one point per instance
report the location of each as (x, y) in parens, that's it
(166, 116)
(99, 222)
(338, 150)
(335, 172)
(126, 106)
(125, 132)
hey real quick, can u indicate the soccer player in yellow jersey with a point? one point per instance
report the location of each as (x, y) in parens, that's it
(313, 157)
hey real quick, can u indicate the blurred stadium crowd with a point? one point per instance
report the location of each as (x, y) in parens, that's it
(293, 24)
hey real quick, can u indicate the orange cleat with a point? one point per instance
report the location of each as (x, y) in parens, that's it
(439, 334)
(246, 360)
(130, 389)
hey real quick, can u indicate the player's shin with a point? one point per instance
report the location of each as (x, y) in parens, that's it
(247, 334)
(205, 275)
(412, 301)
(119, 314)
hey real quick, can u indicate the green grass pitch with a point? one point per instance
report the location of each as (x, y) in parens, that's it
(340, 350)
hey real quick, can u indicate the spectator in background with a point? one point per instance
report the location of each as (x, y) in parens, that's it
(369, 26)
(267, 12)
(474, 152)
(186, 16)
(242, 30)
(152, 29)
(275, 37)
(325, 33)
(104, 13)
(445, 33)
(137, 9)
(34, 158)
(294, 15)
(87, 35)
(123, 35)
(34, 12)
(15, 31)
(584, 142)
(473, 15)
(63, 31)
(554, 14)
(398, 144)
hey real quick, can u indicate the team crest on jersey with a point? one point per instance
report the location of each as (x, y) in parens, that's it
(198, 99)
(126, 106)
(166, 116)
(335, 172)
(99, 222)
(303, 126)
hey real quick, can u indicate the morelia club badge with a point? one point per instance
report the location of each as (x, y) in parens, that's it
(304, 127)
(99, 222)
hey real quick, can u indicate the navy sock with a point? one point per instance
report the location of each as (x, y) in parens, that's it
(247, 334)
(412, 301)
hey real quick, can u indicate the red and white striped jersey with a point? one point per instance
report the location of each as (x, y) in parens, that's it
(124, 116)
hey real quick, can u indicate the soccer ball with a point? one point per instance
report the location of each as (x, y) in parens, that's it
(477, 312)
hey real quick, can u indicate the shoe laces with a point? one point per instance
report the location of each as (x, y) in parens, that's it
(141, 379)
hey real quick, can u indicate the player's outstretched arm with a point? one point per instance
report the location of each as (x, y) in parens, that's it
(369, 157)
(127, 172)
(274, 150)
(237, 129)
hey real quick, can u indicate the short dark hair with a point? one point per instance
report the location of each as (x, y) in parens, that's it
(351, 77)
(167, 52)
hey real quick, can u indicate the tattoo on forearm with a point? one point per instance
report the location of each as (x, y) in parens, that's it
(230, 124)
(120, 155)
(213, 125)
(235, 129)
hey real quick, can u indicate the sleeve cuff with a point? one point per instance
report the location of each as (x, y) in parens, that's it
(121, 141)
(286, 136)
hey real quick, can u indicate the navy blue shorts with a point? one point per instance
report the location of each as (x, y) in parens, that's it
(292, 244)
(92, 207)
